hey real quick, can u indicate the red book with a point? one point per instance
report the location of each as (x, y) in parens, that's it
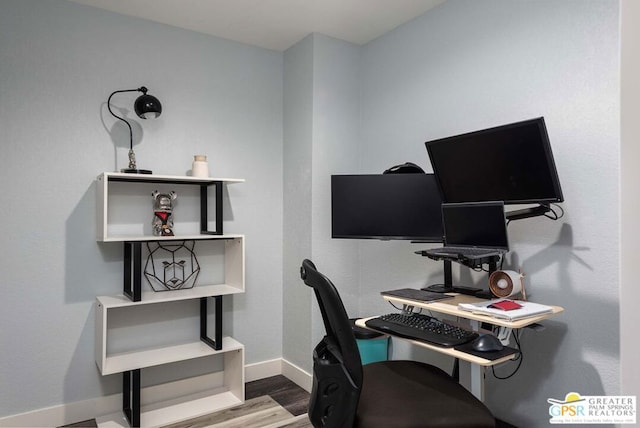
(506, 305)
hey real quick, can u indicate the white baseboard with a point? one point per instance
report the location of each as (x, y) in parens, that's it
(66, 413)
(263, 369)
(88, 409)
(298, 376)
(276, 367)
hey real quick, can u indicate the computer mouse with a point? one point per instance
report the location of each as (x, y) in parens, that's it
(486, 343)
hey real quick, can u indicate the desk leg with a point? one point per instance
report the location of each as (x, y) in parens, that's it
(477, 381)
(472, 378)
(476, 373)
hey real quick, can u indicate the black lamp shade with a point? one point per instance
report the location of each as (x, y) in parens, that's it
(147, 106)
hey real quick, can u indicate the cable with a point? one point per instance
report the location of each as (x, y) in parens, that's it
(555, 215)
(402, 310)
(519, 358)
(397, 308)
(551, 214)
(481, 268)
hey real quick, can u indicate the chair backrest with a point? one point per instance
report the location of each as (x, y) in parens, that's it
(337, 368)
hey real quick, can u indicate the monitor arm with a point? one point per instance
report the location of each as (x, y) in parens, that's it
(541, 209)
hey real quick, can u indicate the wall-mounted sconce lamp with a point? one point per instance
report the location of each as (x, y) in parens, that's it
(146, 107)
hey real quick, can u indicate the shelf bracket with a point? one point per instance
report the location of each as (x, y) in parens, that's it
(131, 396)
(133, 270)
(204, 214)
(216, 342)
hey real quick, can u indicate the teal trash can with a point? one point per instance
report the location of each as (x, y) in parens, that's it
(373, 346)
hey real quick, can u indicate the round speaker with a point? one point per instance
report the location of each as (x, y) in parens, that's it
(506, 283)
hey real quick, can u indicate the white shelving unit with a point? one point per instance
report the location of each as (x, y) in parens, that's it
(124, 215)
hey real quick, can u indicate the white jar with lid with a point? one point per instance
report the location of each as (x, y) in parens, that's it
(200, 166)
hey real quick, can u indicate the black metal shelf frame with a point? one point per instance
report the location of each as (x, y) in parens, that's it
(131, 396)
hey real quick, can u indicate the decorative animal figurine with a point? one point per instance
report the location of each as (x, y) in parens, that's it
(171, 265)
(163, 212)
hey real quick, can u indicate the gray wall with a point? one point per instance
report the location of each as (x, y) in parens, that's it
(59, 62)
(469, 65)
(297, 202)
(321, 131)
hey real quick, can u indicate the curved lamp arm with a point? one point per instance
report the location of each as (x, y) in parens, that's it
(119, 117)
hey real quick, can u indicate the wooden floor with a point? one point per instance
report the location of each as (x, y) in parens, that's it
(271, 402)
(282, 390)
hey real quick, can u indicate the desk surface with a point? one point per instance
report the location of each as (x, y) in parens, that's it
(471, 364)
(450, 307)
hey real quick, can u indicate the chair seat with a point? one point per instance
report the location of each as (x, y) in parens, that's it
(407, 394)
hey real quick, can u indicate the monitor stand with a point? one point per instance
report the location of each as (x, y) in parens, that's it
(485, 294)
(447, 287)
(439, 288)
(470, 291)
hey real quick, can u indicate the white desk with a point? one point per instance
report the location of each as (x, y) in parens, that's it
(471, 363)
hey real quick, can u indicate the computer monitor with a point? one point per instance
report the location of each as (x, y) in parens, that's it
(475, 225)
(386, 206)
(511, 163)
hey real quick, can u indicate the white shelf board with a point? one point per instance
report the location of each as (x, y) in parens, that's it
(189, 409)
(154, 238)
(173, 413)
(155, 177)
(118, 363)
(148, 297)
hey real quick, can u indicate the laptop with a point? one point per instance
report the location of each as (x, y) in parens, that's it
(472, 231)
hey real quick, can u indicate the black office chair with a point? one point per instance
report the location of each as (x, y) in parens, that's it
(386, 394)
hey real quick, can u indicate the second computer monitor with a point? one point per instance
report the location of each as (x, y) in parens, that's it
(475, 224)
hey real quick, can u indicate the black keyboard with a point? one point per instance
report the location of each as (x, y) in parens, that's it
(423, 328)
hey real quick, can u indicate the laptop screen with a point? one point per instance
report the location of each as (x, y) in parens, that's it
(475, 224)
